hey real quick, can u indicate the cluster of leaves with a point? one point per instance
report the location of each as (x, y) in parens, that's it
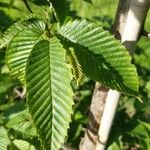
(45, 52)
(131, 129)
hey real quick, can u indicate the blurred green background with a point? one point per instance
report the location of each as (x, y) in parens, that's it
(131, 128)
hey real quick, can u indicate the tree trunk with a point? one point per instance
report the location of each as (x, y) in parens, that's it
(127, 27)
(96, 110)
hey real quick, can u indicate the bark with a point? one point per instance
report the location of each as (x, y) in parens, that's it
(107, 118)
(127, 27)
(96, 110)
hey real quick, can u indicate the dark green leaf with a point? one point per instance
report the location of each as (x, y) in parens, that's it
(29, 21)
(101, 56)
(62, 8)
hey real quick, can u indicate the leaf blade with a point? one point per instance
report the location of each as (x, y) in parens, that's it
(62, 8)
(101, 56)
(4, 141)
(75, 65)
(20, 48)
(21, 25)
(53, 114)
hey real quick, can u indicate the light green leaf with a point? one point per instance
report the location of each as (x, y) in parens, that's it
(142, 133)
(116, 145)
(76, 67)
(22, 145)
(4, 141)
(101, 56)
(49, 92)
(24, 129)
(18, 119)
(20, 48)
(142, 130)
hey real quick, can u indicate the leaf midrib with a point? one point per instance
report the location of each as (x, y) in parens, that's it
(51, 97)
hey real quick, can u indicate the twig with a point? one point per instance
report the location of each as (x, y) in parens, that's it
(27, 5)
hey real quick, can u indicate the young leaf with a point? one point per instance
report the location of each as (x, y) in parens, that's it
(101, 56)
(49, 92)
(17, 118)
(4, 141)
(76, 67)
(24, 129)
(20, 47)
(22, 145)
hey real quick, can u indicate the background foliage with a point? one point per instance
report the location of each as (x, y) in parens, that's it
(131, 129)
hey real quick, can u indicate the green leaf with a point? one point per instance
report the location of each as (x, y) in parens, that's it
(4, 141)
(76, 67)
(142, 57)
(6, 82)
(22, 145)
(117, 144)
(62, 8)
(13, 110)
(114, 146)
(49, 92)
(21, 25)
(88, 1)
(6, 5)
(11, 3)
(2, 57)
(32, 18)
(18, 120)
(10, 33)
(20, 48)
(142, 130)
(142, 133)
(101, 56)
(25, 130)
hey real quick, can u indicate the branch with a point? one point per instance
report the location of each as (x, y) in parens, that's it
(112, 100)
(27, 6)
(96, 110)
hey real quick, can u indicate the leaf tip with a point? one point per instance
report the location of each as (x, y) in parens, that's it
(140, 99)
